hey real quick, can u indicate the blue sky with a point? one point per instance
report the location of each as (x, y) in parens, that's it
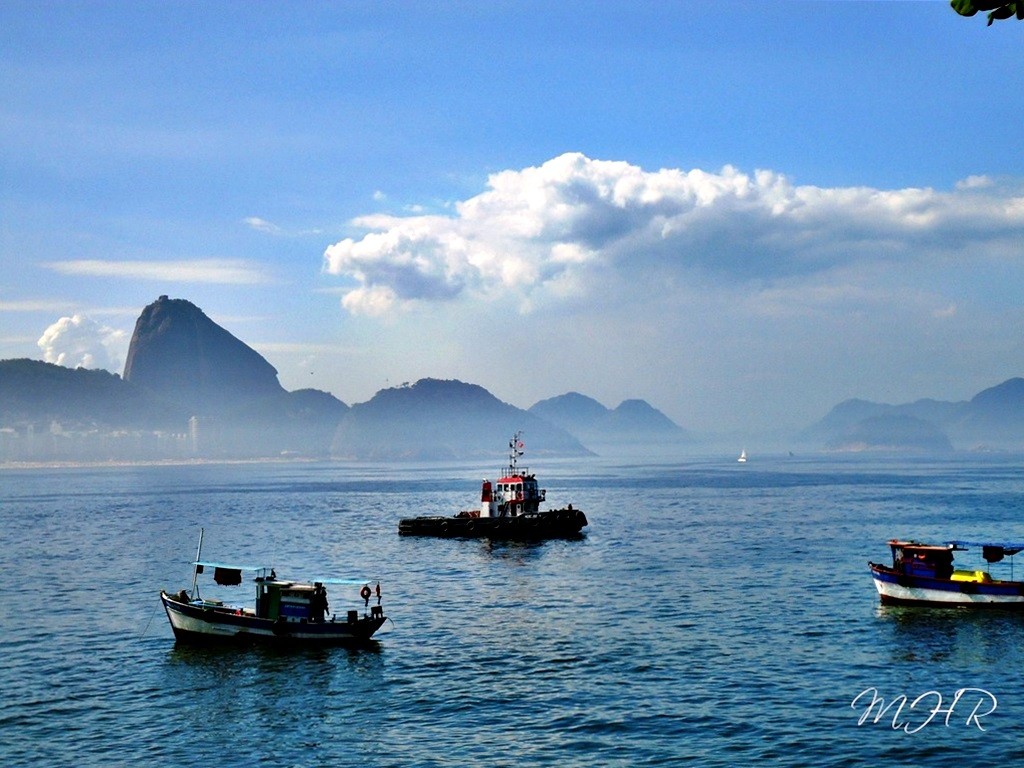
(742, 212)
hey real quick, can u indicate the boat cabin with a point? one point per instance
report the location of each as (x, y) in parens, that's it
(276, 599)
(913, 559)
(511, 496)
(290, 601)
(516, 492)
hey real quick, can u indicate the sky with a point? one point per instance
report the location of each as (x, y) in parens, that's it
(743, 213)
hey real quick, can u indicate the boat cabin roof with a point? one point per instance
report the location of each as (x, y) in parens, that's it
(1008, 547)
(228, 566)
(265, 571)
(991, 552)
(917, 546)
(524, 478)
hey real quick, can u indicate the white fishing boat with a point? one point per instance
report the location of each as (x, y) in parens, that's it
(286, 612)
(924, 574)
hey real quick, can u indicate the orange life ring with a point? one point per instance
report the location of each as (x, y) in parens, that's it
(364, 592)
(519, 495)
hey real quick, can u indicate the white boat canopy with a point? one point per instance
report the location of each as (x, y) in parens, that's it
(229, 567)
(992, 552)
(256, 568)
(1011, 548)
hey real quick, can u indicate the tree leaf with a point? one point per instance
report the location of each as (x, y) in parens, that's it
(964, 7)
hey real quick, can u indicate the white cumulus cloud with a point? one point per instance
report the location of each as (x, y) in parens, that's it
(575, 227)
(81, 342)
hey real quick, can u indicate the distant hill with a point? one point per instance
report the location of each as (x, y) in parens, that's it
(300, 423)
(892, 432)
(435, 419)
(36, 393)
(572, 410)
(240, 408)
(992, 419)
(632, 422)
(182, 356)
(993, 416)
(190, 389)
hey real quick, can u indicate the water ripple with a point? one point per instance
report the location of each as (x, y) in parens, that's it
(710, 616)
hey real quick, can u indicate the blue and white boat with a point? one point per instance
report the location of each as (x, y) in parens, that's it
(924, 574)
(286, 612)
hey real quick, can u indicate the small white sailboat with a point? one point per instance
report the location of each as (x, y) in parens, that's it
(743, 456)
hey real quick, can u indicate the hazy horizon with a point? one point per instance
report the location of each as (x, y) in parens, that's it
(741, 213)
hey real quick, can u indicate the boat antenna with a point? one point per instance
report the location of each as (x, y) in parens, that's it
(195, 565)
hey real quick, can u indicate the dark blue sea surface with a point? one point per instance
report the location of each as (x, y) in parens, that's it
(714, 614)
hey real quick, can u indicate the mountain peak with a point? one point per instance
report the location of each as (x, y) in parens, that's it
(632, 421)
(443, 419)
(1010, 392)
(572, 408)
(181, 354)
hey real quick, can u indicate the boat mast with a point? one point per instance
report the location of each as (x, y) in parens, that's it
(513, 454)
(195, 566)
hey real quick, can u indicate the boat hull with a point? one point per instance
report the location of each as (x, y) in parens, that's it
(205, 623)
(553, 524)
(896, 588)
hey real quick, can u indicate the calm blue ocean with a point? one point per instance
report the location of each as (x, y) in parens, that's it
(715, 614)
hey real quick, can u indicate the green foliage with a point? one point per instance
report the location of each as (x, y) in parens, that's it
(997, 10)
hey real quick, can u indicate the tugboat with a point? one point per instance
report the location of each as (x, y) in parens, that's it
(509, 509)
(287, 612)
(923, 574)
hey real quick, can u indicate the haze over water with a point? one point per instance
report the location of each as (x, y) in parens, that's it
(714, 614)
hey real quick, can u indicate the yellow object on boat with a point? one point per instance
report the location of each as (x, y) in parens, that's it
(970, 576)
